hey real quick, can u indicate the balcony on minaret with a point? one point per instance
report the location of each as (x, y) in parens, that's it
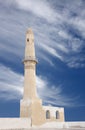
(30, 59)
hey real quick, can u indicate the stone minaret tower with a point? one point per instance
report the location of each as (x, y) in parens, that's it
(30, 105)
(30, 67)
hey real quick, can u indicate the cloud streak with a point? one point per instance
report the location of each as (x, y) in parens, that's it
(38, 7)
(57, 36)
(11, 88)
(59, 30)
(53, 95)
(10, 84)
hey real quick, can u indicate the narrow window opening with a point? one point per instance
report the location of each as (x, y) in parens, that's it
(27, 39)
(47, 114)
(57, 115)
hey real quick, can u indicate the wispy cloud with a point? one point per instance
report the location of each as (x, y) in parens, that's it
(11, 88)
(76, 62)
(10, 84)
(39, 8)
(52, 51)
(60, 31)
(53, 95)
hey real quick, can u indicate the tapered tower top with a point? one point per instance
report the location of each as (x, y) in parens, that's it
(29, 48)
(29, 31)
(29, 36)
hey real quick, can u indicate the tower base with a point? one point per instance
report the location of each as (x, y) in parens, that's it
(38, 114)
(32, 109)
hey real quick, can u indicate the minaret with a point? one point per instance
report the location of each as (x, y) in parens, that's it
(29, 67)
(29, 96)
(30, 105)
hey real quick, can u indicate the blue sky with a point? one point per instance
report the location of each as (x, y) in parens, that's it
(59, 30)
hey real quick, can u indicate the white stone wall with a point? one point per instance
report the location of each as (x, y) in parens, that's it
(75, 124)
(53, 110)
(69, 125)
(14, 123)
(25, 124)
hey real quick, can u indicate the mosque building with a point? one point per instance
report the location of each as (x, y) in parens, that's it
(31, 105)
(32, 113)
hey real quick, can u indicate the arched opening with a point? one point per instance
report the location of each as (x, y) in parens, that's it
(47, 114)
(57, 115)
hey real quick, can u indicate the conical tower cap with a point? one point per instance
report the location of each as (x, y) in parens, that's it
(29, 31)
